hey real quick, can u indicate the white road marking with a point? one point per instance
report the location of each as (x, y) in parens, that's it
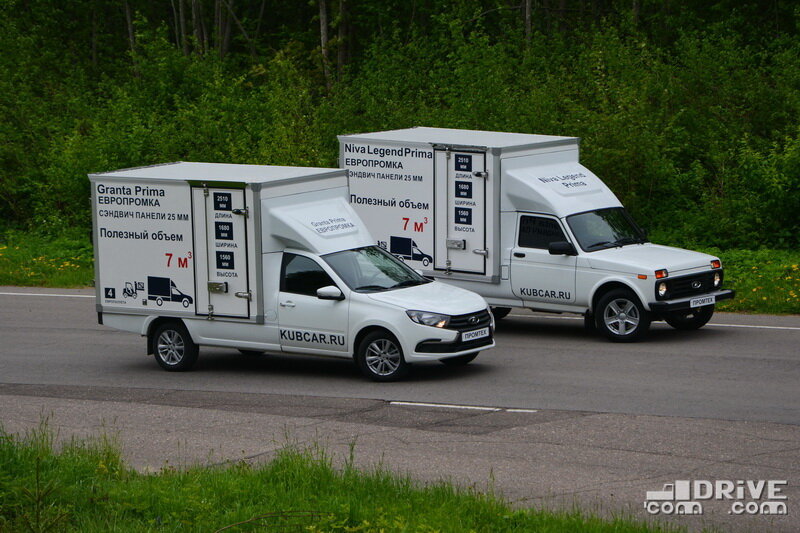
(446, 406)
(47, 294)
(710, 324)
(454, 406)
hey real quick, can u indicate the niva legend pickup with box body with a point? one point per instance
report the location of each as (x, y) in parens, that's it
(517, 219)
(266, 259)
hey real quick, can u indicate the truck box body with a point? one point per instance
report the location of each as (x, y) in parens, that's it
(448, 189)
(518, 219)
(194, 232)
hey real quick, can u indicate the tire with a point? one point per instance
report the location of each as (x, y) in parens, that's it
(689, 320)
(380, 357)
(499, 313)
(173, 347)
(159, 301)
(251, 353)
(185, 302)
(621, 317)
(425, 261)
(589, 323)
(460, 360)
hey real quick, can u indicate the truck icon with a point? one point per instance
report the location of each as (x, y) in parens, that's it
(406, 248)
(161, 289)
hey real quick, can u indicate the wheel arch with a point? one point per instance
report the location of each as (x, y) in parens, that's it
(366, 330)
(152, 323)
(605, 287)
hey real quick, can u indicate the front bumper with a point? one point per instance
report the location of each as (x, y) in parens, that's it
(684, 304)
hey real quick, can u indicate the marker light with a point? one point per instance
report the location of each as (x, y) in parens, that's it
(716, 263)
(660, 274)
(642, 276)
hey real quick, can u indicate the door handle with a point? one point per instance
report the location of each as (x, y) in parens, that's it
(519, 254)
(287, 304)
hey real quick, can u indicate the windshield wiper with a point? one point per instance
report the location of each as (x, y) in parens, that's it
(407, 283)
(371, 288)
(602, 243)
(628, 240)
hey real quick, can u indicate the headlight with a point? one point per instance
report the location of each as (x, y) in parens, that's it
(717, 279)
(662, 289)
(428, 319)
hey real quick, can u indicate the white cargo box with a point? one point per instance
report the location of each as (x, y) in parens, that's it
(435, 196)
(186, 239)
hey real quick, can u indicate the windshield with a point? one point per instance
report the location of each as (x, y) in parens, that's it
(372, 269)
(605, 228)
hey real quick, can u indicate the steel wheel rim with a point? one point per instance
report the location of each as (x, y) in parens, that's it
(170, 347)
(621, 316)
(383, 357)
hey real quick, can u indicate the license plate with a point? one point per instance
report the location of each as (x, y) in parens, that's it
(699, 302)
(476, 334)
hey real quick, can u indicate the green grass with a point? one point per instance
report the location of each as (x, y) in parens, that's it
(85, 486)
(30, 260)
(766, 281)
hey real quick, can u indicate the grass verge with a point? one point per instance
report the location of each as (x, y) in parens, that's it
(85, 486)
(766, 281)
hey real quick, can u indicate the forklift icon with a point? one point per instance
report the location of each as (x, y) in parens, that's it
(132, 289)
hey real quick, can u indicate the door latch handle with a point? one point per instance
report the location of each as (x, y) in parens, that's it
(519, 254)
(484, 253)
(245, 212)
(287, 304)
(246, 295)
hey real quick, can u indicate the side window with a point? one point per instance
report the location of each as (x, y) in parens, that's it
(539, 232)
(301, 275)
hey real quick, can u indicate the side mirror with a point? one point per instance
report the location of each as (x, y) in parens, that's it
(329, 293)
(561, 248)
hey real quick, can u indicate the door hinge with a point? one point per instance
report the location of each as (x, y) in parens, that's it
(245, 212)
(205, 190)
(481, 174)
(210, 312)
(246, 295)
(484, 253)
(447, 153)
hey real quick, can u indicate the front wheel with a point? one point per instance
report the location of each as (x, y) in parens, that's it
(380, 357)
(173, 347)
(460, 360)
(621, 317)
(692, 319)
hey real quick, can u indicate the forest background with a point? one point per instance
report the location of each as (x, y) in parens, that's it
(687, 109)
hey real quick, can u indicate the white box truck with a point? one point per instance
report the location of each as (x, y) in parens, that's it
(517, 219)
(266, 259)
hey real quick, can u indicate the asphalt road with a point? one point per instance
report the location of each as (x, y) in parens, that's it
(740, 367)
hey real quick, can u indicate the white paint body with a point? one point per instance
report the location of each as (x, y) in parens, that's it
(210, 253)
(501, 178)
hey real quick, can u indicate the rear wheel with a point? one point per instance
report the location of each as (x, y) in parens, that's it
(173, 347)
(621, 316)
(380, 357)
(460, 360)
(692, 319)
(499, 313)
